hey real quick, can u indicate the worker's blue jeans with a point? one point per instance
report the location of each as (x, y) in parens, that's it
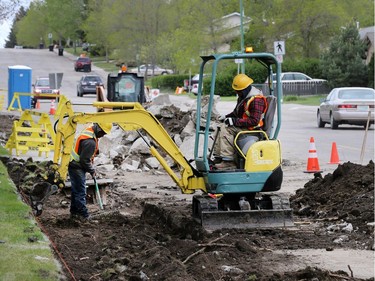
(78, 192)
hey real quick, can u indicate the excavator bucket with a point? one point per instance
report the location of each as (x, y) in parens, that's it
(212, 220)
(206, 211)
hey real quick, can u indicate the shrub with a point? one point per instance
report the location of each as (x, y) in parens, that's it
(290, 98)
(170, 82)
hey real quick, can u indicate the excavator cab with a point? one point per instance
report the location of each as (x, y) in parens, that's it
(125, 87)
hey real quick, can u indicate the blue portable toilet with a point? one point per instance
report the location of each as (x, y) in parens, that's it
(19, 82)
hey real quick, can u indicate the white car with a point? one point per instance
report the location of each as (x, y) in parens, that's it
(347, 105)
(296, 77)
(151, 70)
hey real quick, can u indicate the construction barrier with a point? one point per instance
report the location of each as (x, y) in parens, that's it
(16, 99)
(2, 100)
(179, 90)
(30, 135)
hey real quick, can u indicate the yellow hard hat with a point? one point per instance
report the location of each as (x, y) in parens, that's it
(241, 81)
(106, 127)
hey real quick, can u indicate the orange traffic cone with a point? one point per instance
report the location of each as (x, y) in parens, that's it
(312, 162)
(52, 109)
(37, 106)
(334, 155)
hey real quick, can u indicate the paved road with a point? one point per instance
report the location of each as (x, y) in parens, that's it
(298, 122)
(42, 62)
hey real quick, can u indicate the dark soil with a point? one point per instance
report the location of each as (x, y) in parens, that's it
(155, 238)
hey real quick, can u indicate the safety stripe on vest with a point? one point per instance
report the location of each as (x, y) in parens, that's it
(86, 134)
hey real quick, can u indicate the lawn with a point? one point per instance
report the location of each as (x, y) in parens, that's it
(304, 100)
(25, 251)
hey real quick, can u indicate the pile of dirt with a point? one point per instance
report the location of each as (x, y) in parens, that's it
(6, 125)
(343, 200)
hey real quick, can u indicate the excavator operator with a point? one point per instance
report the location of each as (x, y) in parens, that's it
(246, 116)
(83, 152)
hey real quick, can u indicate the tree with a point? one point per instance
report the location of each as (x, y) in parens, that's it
(31, 30)
(305, 26)
(64, 17)
(6, 8)
(12, 41)
(97, 26)
(343, 63)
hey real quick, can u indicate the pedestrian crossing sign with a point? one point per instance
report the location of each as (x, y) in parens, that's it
(279, 47)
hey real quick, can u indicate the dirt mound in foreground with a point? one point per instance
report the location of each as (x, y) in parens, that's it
(344, 200)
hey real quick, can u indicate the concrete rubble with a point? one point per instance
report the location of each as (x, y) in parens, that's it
(128, 151)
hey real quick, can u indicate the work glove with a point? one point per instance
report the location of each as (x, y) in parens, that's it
(230, 121)
(222, 117)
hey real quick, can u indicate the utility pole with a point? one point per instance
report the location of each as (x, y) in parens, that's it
(242, 36)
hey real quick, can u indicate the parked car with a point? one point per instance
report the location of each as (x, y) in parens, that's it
(151, 70)
(193, 83)
(42, 86)
(82, 63)
(194, 80)
(349, 105)
(296, 77)
(87, 85)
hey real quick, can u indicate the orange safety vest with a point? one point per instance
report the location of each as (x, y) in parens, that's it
(88, 133)
(246, 113)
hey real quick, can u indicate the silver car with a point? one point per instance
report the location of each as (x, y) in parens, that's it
(349, 105)
(151, 70)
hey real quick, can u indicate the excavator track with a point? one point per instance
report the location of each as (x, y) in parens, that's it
(207, 212)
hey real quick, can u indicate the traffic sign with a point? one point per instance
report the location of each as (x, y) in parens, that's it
(49, 35)
(279, 47)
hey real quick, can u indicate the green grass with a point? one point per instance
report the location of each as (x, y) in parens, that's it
(304, 100)
(3, 151)
(106, 66)
(21, 259)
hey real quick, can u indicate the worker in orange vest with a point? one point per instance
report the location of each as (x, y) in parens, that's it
(83, 152)
(246, 116)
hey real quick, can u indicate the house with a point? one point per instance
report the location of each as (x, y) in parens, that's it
(229, 28)
(367, 35)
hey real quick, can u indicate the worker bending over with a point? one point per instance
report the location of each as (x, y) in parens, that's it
(84, 150)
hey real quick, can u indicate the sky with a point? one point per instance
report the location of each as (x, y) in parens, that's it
(6, 25)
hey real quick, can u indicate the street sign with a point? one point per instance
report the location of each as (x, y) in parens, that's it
(49, 35)
(279, 47)
(55, 80)
(279, 58)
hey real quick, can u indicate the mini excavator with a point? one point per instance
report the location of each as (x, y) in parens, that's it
(254, 181)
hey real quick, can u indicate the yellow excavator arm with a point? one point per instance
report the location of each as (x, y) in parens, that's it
(128, 116)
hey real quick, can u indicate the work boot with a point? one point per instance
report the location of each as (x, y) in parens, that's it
(225, 165)
(79, 218)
